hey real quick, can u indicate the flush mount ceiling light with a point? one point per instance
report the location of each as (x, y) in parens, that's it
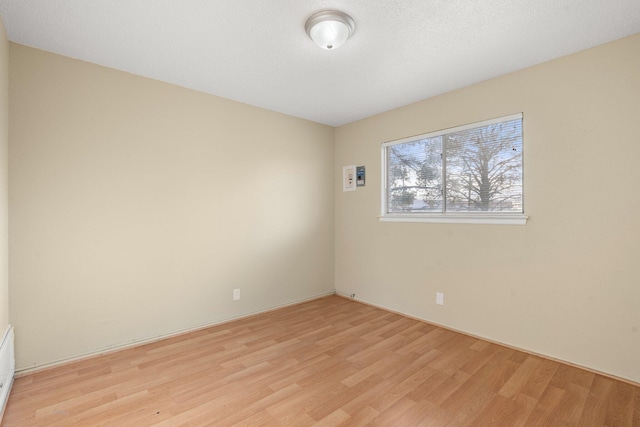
(329, 29)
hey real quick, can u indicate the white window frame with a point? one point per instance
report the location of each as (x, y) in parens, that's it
(500, 218)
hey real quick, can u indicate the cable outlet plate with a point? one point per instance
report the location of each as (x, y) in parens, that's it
(439, 298)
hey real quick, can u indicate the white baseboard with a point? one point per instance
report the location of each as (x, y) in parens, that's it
(19, 372)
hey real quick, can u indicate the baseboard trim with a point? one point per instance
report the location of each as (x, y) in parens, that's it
(524, 350)
(113, 349)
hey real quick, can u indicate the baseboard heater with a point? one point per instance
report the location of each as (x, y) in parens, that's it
(7, 367)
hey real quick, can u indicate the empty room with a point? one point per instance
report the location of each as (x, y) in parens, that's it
(322, 213)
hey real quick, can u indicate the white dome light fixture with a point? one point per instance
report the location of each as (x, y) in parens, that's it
(329, 29)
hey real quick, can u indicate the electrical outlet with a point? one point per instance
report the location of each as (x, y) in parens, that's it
(236, 294)
(439, 298)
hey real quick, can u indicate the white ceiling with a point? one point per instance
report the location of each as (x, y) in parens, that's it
(257, 51)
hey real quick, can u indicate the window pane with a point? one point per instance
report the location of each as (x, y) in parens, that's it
(414, 176)
(484, 168)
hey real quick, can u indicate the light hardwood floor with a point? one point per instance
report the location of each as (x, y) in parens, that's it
(329, 362)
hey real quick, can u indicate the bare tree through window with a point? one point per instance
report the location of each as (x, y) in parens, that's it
(476, 169)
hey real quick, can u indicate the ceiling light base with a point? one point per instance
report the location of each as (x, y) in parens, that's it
(329, 29)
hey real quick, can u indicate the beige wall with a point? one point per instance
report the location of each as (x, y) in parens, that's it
(136, 207)
(4, 198)
(567, 284)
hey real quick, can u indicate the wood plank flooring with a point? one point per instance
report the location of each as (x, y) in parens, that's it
(327, 362)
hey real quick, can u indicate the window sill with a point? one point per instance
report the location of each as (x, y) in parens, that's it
(462, 218)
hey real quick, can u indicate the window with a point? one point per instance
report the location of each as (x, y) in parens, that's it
(467, 174)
